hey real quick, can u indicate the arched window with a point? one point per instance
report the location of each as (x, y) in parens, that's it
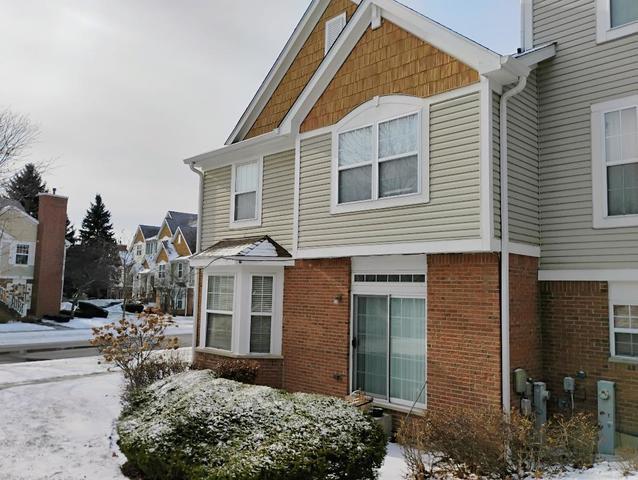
(380, 155)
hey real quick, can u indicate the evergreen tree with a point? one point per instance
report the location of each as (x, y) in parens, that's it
(70, 232)
(96, 226)
(25, 186)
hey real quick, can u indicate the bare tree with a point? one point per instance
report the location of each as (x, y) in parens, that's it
(171, 287)
(17, 133)
(126, 272)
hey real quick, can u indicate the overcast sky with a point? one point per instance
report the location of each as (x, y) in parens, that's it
(123, 90)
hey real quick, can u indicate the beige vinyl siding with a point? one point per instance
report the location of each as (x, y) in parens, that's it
(277, 202)
(454, 208)
(23, 230)
(496, 164)
(581, 74)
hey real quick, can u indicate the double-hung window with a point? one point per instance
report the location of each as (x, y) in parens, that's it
(138, 250)
(615, 19)
(22, 254)
(615, 162)
(246, 194)
(623, 320)
(380, 163)
(261, 313)
(180, 270)
(219, 311)
(161, 271)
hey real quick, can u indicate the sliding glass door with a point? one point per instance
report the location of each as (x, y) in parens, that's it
(390, 347)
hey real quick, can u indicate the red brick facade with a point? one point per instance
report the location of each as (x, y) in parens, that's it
(49, 255)
(269, 372)
(464, 353)
(525, 324)
(575, 322)
(316, 330)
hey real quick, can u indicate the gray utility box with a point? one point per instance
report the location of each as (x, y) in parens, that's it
(607, 417)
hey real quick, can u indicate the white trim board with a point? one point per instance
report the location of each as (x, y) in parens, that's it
(603, 275)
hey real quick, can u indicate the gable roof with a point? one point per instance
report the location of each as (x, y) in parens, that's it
(8, 202)
(368, 13)
(149, 231)
(190, 237)
(178, 219)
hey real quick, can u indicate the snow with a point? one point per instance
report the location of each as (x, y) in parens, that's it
(13, 327)
(57, 423)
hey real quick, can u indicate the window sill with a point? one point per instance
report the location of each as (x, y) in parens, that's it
(608, 35)
(398, 408)
(625, 360)
(619, 221)
(245, 224)
(245, 356)
(391, 202)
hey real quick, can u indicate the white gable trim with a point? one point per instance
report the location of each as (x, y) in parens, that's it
(299, 36)
(500, 69)
(179, 231)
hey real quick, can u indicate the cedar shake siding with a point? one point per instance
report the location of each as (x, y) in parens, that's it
(387, 61)
(277, 203)
(453, 211)
(299, 73)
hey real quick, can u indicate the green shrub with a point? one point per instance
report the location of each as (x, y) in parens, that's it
(473, 441)
(198, 427)
(158, 367)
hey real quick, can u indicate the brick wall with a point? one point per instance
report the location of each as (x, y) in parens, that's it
(49, 255)
(464, 355)
(575, 323)
(525, 324)
(269, 372)
(316, 331)
(386, 61)
(302, 68)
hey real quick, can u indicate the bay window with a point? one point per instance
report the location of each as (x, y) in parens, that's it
(246, 194)
(378, 156)
(615, 162)
(219, 311)
(242, 314)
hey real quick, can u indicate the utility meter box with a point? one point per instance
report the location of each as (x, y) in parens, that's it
(520, 381)
(607, 417)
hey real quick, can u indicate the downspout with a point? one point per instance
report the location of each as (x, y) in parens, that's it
(197, 250)
(505, 246)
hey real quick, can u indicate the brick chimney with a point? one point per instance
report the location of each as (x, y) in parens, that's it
(49, 255)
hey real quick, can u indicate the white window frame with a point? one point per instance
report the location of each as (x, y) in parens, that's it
(179, 303)
(139, 250)
(621, 293)
(342, 20)
(599, 165)
(180, 270)
(251, 222)
(161, 271)
(22, 254)
(241, 315)
(604, 31)
(372, 113)
(262, 314)
(389, 264)
(206, 311)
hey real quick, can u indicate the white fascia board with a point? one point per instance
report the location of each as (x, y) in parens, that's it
(531, 58)
(230, 261)
(266, 144)
(602, 275)
(282, 64)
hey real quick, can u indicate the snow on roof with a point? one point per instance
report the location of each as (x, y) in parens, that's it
(149, 231)
(190, 236)
(170, 250)
(8, 202)
(180, 219)
(264, 247)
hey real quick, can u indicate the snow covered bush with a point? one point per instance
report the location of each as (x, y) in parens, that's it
(130, 343)
(198, 427)
(472, 441)
(239, 370)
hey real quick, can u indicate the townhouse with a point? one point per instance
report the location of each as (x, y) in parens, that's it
(405, 212)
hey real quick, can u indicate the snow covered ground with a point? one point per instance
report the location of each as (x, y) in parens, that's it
(77, 331)
(57, 422)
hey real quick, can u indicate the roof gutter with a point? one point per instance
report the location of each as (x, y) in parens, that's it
(198, 246)
(505, 246)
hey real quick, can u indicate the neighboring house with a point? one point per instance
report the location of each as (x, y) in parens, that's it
(356, 231)
(161, 272)
(32, 256)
